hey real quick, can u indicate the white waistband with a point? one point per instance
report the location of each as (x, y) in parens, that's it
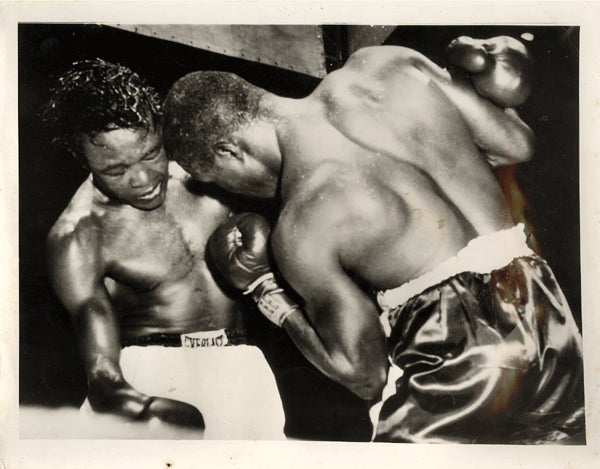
(481, 255)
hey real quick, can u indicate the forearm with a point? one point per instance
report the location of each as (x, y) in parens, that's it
(364, 381)
(77, 277)
(310, 344)
(328, 352)
(98, 336)
(348, 348)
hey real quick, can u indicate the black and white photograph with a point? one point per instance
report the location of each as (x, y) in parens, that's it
(345, 235)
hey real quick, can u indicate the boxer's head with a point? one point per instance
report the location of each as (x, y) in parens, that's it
(216, 128)
(106, 116)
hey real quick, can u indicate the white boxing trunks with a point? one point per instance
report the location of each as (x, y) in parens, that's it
(232, 386)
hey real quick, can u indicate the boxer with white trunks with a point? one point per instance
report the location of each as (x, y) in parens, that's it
(160, 339)
(238, 394)
(385, 172)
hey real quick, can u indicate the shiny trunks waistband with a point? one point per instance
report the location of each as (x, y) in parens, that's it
(481, 255)
(199, 339)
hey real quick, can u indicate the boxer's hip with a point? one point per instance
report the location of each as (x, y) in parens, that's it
(233, 386)
(207, 355)
(492, 356)
(481, 255)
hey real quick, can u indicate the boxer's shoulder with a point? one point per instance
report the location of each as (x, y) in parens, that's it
(372, 58)
(373, 82)
(89, 227)
(82, 215)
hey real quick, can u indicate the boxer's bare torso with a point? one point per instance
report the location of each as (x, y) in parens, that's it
(150, 263)
(384, 172)
(381, 171)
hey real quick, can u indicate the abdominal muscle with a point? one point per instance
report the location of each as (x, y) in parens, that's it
(189, 304)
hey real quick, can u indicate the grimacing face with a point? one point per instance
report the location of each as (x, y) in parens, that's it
(129, 165)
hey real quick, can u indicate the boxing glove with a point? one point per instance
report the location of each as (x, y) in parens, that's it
(110, 393)
(172, 412)
(238, 248)
(500, 67)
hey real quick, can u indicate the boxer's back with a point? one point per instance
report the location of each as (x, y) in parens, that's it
(386, 100)
(153, 262)
(388, 148)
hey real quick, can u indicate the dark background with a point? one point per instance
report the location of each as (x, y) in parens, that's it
(316, 408)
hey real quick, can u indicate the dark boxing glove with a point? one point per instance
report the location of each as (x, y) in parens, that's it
(108, 392)
(500, 67)
(173, 412)
(239, 250)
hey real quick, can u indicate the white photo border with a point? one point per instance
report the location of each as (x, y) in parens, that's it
(16, 453)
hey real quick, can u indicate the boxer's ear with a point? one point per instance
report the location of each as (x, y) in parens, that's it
(228, 150)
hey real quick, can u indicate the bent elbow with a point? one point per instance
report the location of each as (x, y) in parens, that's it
(526, 146)
(523, 142)
(366, 381)
(369, 390)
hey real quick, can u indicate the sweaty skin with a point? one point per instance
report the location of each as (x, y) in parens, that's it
(128, 260)
(384, 173)
(381, 182)
(149, 264)
(375, 168)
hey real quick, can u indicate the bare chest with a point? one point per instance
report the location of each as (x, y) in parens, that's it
(161, 246)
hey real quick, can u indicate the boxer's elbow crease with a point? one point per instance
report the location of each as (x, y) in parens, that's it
(369, 388)
(366, 380)
(523, 144)
(95, 317)
(527, 146)
(95, 307)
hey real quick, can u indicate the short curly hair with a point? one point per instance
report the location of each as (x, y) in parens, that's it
(202, 107)
(95, 96)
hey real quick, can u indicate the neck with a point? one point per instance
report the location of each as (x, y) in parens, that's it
(275, 115)
(276, 109)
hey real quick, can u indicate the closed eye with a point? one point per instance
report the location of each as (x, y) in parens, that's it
(150, 157)
(152, 154)
(116, 172)
(115, 175)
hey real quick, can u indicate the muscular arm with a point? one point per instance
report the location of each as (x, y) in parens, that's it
(341, 334)
(499, 133)
(76, 273)
(502, 137)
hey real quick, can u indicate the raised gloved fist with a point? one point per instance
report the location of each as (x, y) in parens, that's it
(501, 68)
(239, 249)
